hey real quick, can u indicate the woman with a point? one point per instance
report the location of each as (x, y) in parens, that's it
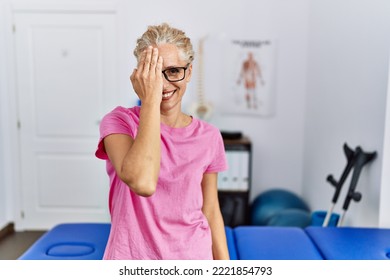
(162, 163)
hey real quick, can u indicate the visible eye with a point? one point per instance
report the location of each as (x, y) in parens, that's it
(173, 71)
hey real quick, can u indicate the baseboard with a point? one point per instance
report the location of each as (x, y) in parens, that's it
(8, 229)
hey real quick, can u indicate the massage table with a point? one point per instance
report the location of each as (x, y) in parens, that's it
(86, 241)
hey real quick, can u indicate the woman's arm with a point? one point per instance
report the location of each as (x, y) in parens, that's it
(137, 161)
(213, 214)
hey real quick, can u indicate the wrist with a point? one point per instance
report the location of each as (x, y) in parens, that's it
(150, 103)
(150, 109)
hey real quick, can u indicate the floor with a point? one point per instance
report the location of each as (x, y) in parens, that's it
(15, 244)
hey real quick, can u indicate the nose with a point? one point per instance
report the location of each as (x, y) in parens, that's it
(165, 82)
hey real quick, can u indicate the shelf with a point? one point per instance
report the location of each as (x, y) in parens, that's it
(234, 185)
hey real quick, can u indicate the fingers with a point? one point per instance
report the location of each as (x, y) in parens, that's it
(147, 77)
(141, 62)
(149, 61)
(156, 63)
(154, 58)
(148, 58)
(159, 66)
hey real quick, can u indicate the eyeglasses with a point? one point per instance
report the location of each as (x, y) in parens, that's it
(175, 74)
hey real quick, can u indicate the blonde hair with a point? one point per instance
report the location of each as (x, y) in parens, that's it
(165, 34)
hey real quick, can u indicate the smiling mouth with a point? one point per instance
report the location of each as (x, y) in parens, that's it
(168, 94)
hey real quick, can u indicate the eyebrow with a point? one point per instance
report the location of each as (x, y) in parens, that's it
(173, 66)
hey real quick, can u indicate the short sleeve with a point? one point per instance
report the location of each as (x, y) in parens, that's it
(218, 162)
(118, 121)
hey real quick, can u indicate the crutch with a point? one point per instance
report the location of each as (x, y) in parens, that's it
(350, 155)
(362, 159)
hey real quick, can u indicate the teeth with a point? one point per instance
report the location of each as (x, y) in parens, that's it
(166, 95)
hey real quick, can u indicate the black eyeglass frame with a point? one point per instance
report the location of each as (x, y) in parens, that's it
(166, 76)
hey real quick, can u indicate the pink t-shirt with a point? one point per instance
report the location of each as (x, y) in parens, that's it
(170, 223)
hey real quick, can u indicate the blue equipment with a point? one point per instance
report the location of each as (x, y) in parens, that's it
(279, 207)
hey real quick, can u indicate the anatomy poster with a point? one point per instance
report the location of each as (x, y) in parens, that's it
(249, 77)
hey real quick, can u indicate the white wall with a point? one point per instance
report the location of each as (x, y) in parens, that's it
(349, 43)
(384, 208)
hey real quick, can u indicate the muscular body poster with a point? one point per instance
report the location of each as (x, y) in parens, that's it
(249, 77)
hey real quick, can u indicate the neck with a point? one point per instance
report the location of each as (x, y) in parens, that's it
(176, 120)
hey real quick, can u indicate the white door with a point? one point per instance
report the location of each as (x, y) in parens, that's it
(66, 81)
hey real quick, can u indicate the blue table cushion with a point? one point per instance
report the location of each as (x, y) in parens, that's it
(73, 241)
(231, 243)
(85, 241)
(347, 243)
(274, 243)
(70, 250)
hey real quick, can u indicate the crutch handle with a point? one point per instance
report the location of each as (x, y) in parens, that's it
(351, 157)
(355, 196)
(362, 159)
(331, 180)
